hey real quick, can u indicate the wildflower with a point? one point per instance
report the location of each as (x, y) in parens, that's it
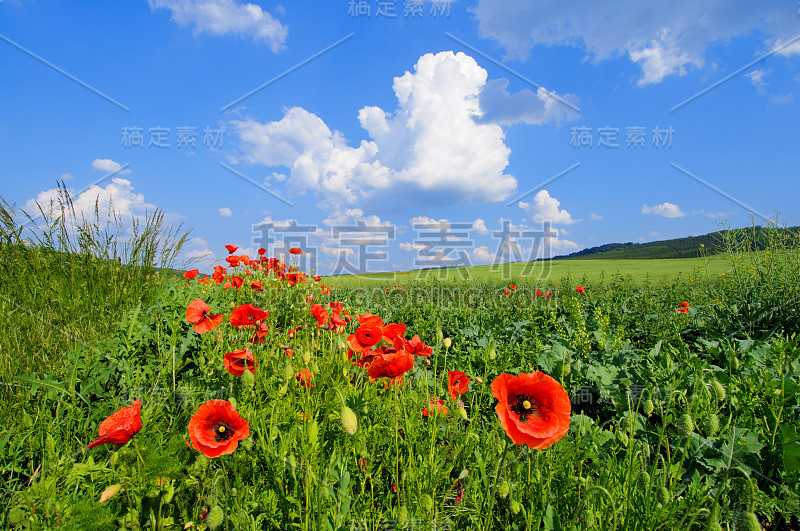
(295, 278)
(238, 361)
(457, 384)
(507, 292)
(295, 250)
(415, 346)
(191, 274)
(512, 286)
(533, 408)
(237, 282)
(256, 286)
(365, 337)
(538, 293)
(391, 365)
(304, 377)
(579, 289)
(197, 314)
(247, 315)
(120, 426)
(317, 278)
(547, 295)
(262, 251)
(441, 409)
(231, 248)
(216, 428)
(260, 334)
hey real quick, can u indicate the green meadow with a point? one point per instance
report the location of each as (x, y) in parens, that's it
(661, 395)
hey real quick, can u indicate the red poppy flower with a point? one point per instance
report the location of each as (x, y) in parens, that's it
(512, 286)
(237, 282)
(507, 292)
(304, 377)
(533, 408)
(324, 289)
(579, 289)
(238, 361)
(233, 261)
(247, 315)
(415, 346)
(441, 409)
(216, 428)
(391, 365)
(262, 251)
(538, 293)
(256, 286)
(546, 295)
(231, 248)
(457, 384)
(295, 250)
(365, 337)
(197, 314)
(191, 274)
(317, 278)
(295, 278)
(685, 304)
(393, 330)
(260, 334)
(684, 310)
(320, 314)
(120, 426)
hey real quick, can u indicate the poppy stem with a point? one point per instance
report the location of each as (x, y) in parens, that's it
(492, 493)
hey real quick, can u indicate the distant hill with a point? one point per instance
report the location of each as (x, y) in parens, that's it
(688, 247)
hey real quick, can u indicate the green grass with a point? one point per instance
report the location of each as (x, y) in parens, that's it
(549, 273)
(635, 367)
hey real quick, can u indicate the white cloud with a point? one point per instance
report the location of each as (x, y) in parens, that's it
(430, 148)
(117, 198)
(545, 208)
(667, 210)
(715, 215)
(336, 251)
(480, 227)
(525, 106)
(109, 166)
(562, 246)
(225, 212)
(223, 17)
(781, 99)
(413, 246)
(482, 254)
(595, 217)
(662, 38)
(757, 76)
(66, 176)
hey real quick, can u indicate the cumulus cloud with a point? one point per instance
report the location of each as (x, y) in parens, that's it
(667, 210)
(224, 17)
(109, 166)
(545, 208)
(430, 147)
(117, 199)
(413, 246)
(480, 227)
(225, 212)
(663, 39)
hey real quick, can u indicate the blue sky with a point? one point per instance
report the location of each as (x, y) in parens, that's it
(402, 141)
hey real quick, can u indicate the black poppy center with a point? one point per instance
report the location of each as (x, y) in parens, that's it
(524, 406)
(222, 432)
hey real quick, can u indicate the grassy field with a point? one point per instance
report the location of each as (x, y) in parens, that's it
(587, 270)
(655, 398)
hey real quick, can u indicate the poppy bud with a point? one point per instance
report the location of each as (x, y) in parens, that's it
(649, 407)
(215, 517)
(402, 515)
(492, 353)
(248, 380)
(719, 391)
(685, 425)
(306, 357)
(503, 489)
(464, 473)
(349, 420)
(515, 507)
(643, 480)
(622, 438)
(478, 379)
(736, 363)
(288, 372)
(439, 334)
(714, 526)
(169, 492)
(312, 430)
(110, 492)
(233, 305)
(750, 522)
(566, 369)
(711, 425)
(447, 342)
(588, 519)
(462, 413)
(662, 495)
(426, 502)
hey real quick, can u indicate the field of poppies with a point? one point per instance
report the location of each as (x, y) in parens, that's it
(262, 397)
